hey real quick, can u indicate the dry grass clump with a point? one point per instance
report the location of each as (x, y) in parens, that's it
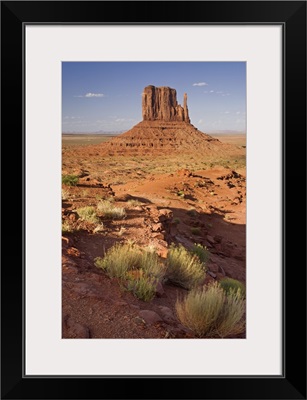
(210, 312)
(110, 211)
(183, 268)
(66, 227)
(118, 260)
(201, 251)
(88, 214)
(70, 180)
(141, 270)
(229, 284)
(65, 194)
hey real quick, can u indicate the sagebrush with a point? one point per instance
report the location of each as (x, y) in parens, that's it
(210, 312)
(183, 268)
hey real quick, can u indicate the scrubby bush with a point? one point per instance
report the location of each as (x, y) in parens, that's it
(229, 284)
(118, 260)
(141, 269)
(183, 268)
(195, 231)
(201, 251)
(70, 180)
(66, 227)
(210, 312)
(88, 214)
(143, 287)
(109, 211)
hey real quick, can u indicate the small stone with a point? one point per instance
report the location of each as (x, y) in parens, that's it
(158, 235)
(160, 290)
(162, 252)
(157, 227)
(167, 314)
(150, 317)
(165, 214)
(213, 267)
(210, 239)
(218, 238)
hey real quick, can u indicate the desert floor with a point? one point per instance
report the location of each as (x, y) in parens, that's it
(207, 201)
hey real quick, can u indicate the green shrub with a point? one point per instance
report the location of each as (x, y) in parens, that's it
(195, 231)
(183, 268)
(70, 180)
(143, 287)
(229, 284)
(210, 312)
(88, 214)
(109, 211)
(201, 251)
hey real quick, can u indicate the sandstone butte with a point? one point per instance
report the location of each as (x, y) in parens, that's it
(165, 129)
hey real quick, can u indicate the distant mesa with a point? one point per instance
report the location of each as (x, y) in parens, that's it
(165, 129)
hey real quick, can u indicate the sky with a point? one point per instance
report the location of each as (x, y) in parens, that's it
(107, 96)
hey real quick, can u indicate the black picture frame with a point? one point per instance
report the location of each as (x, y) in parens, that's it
(292, 16)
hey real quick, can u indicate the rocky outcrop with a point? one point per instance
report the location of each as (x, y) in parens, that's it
(160, 104)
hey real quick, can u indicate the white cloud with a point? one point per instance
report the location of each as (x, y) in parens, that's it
(211, 91)
(238, 112)
(227, 112)
(89, 95)
(94, 95)
(200, 84)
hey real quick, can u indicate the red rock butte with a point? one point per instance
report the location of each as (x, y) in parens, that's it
(165, 129)
(160, 104)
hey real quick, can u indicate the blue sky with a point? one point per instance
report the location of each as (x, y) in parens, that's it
(106, 96)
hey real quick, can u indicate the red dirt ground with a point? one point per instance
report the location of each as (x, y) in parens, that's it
(207, 206)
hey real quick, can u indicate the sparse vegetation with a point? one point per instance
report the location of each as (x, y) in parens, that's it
(88, 214)
(142, 269)
(192, 213)
(66, 227)
(134, 202)
(201, 251)
(70, 180)
(118, 260)
(183, 268)
(176, 221)
(143, 287)
(230, 284)
(110, 211)
(65, 194)
(195, 231)
(210, 312)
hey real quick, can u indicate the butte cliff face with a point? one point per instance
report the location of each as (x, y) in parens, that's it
(160, 104)
(165, 129)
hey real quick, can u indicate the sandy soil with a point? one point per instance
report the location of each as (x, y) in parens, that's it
(206, 199)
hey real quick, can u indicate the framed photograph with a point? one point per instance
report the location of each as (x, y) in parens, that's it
(162, 160)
